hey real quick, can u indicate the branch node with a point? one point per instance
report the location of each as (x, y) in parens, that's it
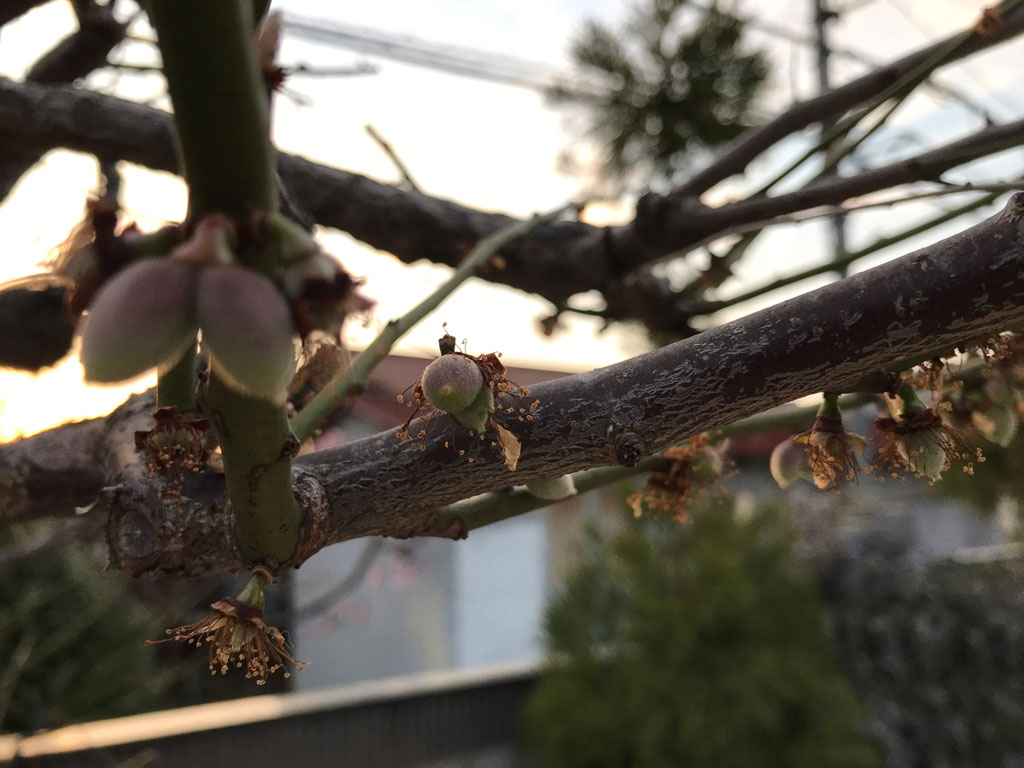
(312, 498)
(628, 445)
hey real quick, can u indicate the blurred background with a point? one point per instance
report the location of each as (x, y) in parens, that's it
(880, 626)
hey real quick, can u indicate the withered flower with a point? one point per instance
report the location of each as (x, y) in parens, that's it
(237, 636)
(831, 450)
(175, 446)
(468, 387)
(918, 441)
(695, 469)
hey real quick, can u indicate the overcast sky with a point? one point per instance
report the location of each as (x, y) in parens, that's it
(484, 144)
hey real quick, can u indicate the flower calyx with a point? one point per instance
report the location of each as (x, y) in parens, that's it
(696, 468)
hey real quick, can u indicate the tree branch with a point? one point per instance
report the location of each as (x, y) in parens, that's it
(555, 261)
(72, 58)
(953, 292)
(834, 103)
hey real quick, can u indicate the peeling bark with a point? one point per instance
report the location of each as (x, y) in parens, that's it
(958, 290)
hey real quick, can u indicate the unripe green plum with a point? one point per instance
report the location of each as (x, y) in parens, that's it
(452, 383)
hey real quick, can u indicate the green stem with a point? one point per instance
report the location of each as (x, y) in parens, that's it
(220, 111)
(911, 403)
(314, 414)
(492, 508)
(830, 407)
(252, 592)
(177, 386)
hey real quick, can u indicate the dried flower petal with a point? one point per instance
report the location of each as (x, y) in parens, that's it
(920, 443)
(789, 462)
(238, 638)
(831, 452)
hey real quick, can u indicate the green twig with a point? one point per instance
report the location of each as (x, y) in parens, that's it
(860, 253)
(315, 413)
(177, 386)
(494, 507)
(220, 111)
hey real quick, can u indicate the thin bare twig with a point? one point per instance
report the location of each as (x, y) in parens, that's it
(352, 581)
(327, 400)
(385, 145)
(837, 101)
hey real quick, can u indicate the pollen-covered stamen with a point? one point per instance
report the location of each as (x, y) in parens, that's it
(695, 470)
(237, 636)
(919, 441)
(831, 450)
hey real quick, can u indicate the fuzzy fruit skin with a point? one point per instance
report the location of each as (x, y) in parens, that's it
(247, 327)
(142, 318)
(552, 488)
(475, 416)
(452, 383)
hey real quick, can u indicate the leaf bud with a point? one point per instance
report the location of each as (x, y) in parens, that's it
(142, 318)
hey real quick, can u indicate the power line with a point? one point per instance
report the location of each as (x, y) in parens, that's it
(510, 70)
(468, 62)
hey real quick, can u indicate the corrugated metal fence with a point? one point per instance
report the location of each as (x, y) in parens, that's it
(461, 719)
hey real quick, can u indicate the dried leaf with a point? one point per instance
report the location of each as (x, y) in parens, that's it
(510, 445)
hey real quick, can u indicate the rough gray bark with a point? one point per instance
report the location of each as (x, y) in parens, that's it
(958, 290)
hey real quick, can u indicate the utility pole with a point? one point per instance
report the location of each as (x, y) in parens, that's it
(822, 15)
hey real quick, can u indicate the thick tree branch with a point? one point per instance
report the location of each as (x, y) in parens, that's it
(960, 289)
(834, 103)
(555, 261)
(12, 9)
(72, 58)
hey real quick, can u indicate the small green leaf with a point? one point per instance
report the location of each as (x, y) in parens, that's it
(247, 328)
(143, 318)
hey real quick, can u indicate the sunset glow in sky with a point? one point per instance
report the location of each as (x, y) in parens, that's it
(486, 145)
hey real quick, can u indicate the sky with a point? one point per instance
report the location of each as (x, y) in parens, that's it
(483, 144)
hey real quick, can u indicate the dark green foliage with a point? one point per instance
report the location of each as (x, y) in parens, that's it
(665, 91)
(935, 653)
(71, 643)
(998, 475)
(693, 645)
(72, 639)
